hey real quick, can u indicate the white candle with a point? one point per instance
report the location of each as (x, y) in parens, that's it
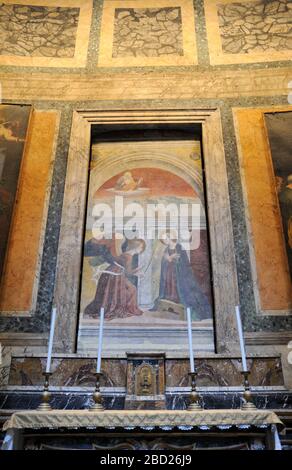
(241, 338)
(98, 365)
(51, 339)
(192, 362)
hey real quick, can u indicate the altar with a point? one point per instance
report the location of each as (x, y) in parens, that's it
(143, 430)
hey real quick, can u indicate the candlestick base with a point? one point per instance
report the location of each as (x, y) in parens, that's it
(44, 407)
(194, 404)
(97, 397)
(46, 395)
(247, 395)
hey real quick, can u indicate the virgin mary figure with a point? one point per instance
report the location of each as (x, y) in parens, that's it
(178, 283)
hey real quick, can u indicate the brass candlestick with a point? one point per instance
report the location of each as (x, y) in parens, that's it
(248, 403)
(194, 404)
(46, 395)
(97, 398)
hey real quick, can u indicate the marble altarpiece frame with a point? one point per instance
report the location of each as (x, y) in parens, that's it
(225, 287)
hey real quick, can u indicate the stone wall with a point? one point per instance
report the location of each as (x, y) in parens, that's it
(255, 26)
(38, 31)
(148, 32)
(224, 56)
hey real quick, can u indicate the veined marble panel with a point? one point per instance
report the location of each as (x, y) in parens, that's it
(250, 31)
(45, 33)
(38, 31)
(147, 33)
(215, 84)
(69, 372)
(225, 372)
(212, 372)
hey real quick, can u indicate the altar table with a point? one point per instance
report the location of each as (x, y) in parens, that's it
(142, 429)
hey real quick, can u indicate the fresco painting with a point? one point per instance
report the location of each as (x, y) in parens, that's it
(146, 282)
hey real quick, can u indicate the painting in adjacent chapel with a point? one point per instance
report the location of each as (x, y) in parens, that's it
(139, 280)
(14, 121)
(279, 126)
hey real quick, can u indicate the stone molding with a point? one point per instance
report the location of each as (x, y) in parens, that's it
(67, 286)
(215, 84)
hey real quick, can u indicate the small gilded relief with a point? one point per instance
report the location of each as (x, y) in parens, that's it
(252, 31)
(145, 380)
(147, 33)
(46, 33)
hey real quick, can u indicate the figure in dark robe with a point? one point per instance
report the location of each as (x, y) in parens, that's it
(98, 250)
(115, 292)
(177, 281)
(285, 198)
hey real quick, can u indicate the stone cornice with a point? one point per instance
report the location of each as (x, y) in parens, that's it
(215, 84)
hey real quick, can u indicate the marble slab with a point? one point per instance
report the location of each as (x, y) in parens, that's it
(70, 372)
(246, 32)
(276, 400)
(46, 33)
